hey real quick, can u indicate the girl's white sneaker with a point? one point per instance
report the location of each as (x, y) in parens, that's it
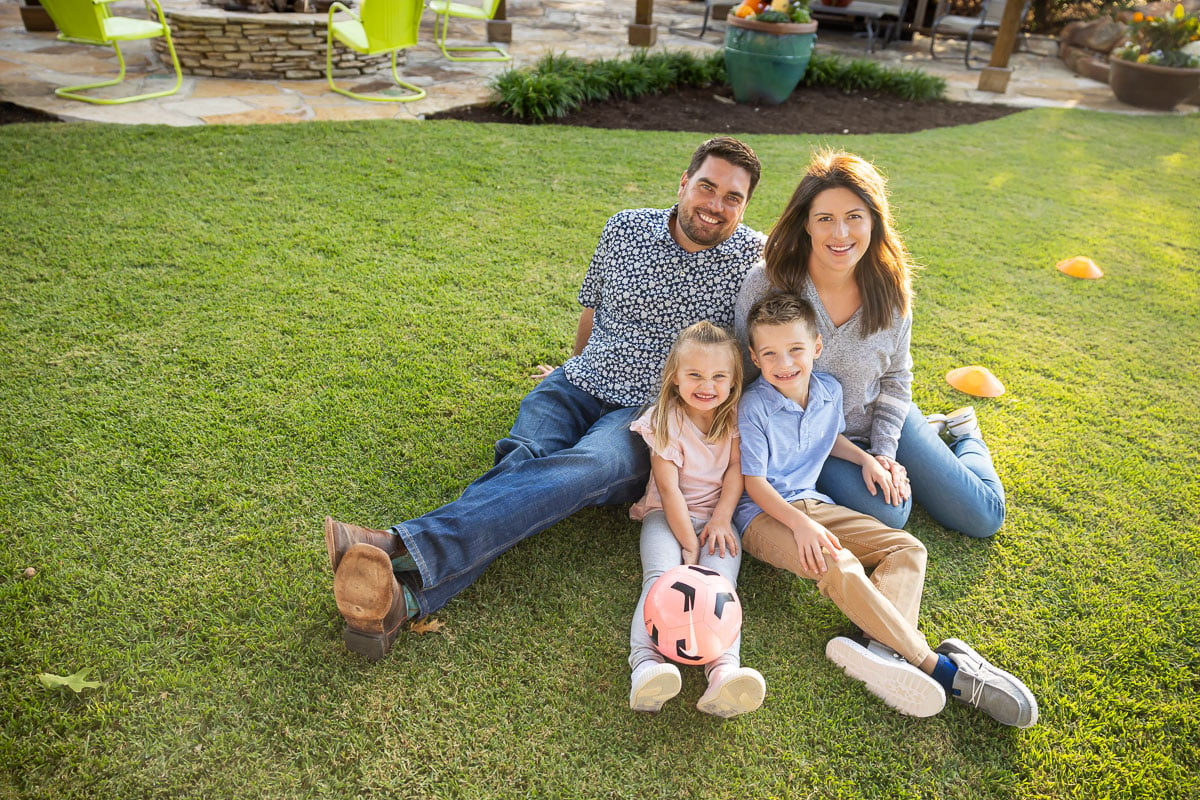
(652, 685)
(732, 691)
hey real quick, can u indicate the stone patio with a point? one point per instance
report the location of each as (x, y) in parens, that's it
(32, 65)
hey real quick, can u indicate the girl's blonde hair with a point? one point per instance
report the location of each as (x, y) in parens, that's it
(884, 275)
(703, 334)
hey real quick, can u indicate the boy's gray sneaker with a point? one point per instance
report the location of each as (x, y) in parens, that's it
(993, 691)
(888, 676)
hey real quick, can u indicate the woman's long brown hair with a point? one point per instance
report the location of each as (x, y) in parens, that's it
(883, 275)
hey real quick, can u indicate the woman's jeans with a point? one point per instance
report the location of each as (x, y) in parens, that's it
(567, 450)
(660, 552)
(956, 484)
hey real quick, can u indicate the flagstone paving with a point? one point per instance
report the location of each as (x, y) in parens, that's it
(32, 65)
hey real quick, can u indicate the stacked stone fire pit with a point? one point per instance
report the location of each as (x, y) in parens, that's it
(266, 39)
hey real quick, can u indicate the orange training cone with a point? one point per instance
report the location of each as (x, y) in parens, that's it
(975, 380)
(1080, 267)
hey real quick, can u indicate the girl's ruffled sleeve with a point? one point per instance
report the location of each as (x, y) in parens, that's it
(672, 452)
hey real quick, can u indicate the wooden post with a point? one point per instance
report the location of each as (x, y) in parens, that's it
(499, 29)
(642, 32)
(994, 77)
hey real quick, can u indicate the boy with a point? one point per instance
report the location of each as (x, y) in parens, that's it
(790, 421)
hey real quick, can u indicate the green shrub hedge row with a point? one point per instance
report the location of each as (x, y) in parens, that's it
(559, 84)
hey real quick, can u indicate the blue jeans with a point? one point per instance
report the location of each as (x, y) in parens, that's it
(567, 450)
(956, 484)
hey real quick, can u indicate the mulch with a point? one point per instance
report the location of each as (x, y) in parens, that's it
(816, 109)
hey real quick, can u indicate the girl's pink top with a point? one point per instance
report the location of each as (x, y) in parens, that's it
(701, 465)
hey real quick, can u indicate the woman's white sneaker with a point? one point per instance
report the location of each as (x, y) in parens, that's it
(962, 422)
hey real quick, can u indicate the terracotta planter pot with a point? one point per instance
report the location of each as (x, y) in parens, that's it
(764, 61)
(1150, 85)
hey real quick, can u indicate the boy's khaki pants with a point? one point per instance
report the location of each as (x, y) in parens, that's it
(885, 606)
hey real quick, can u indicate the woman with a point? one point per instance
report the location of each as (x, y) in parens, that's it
(835, 245)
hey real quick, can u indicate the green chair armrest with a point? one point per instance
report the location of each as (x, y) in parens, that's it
(336, 6)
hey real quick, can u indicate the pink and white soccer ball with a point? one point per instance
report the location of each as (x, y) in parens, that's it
(692, 614)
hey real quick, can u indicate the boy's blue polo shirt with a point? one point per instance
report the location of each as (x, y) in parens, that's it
(785, 443)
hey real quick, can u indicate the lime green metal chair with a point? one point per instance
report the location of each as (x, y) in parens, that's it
(91, 22)
(445, 9)
(380, 26)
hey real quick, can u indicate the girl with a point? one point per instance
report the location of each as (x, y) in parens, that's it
(836, 246)
(695, 484)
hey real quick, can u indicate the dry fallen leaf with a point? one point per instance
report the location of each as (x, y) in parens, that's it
(75, 683)
(427, 625)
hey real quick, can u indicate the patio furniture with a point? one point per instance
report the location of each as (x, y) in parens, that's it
(380, 26)
(445, 9)
(91, 22)
(988, 19)
(886, 16)
(708, 14)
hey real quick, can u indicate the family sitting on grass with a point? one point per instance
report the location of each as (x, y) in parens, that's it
(816, 462)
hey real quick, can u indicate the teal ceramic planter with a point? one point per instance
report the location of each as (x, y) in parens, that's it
(765, 61)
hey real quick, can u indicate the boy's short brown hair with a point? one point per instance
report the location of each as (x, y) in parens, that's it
(781, 308)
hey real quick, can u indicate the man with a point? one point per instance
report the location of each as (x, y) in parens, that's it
(654, 272)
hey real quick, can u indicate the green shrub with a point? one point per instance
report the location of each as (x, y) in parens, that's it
(861, 73)
(538, 96)
(558, 84)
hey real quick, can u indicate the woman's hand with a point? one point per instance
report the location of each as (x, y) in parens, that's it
(720, 538)
(874, 475)
(543, 372)
(897, 476)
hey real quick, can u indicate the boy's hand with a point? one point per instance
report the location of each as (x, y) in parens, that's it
(720, 538)
(810, 538)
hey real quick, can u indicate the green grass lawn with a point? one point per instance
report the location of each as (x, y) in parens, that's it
(212, 337)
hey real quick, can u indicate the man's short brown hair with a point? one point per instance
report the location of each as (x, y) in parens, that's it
(728, 149)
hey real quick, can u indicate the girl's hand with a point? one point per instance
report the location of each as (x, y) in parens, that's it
(720, 538)
(691, 552)
(543, 372)
(891, 476)
(810, 538)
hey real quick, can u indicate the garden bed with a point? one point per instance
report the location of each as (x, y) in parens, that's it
(810, 109)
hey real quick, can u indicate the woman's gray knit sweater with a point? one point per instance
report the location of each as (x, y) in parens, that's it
(875, 371)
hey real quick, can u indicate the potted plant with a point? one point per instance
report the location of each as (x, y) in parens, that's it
(767, 48)
(1158, 66)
